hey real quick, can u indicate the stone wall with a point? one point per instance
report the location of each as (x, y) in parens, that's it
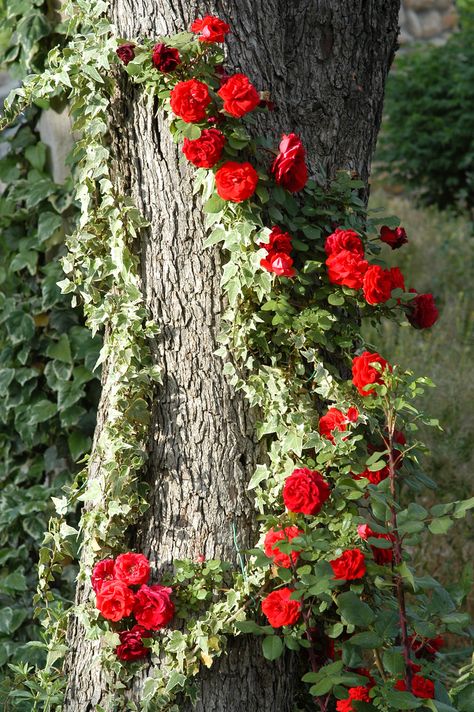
(427, 21)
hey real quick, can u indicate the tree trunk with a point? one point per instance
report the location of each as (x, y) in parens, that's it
(325, 63)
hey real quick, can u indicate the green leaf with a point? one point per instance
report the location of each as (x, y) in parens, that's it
(214, 205)
(354, 610)
(272, 647)
(48, 223)
(402, 700)
(441, 525)
(36, 155)
(368, 639)
(60, 350)
(41, 411)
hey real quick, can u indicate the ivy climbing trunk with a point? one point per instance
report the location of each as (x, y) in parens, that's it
(324, 63)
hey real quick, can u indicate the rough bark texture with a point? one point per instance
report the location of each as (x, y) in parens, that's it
(325, 64)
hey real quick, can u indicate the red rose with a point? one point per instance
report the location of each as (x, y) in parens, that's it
(239, 95)
(422, 312)
(115, 600)
(374, 478)
(381, 556)
(132, 569)
(425, 647)
(346, 268)
(355, 693)
(154, 607)
(279, 263)
(205, 151)
(352, 414)
(289, 167)
(395, 238)
(273, 552)
(398, 281)
(165, 58)
(131, 644)
(305, 491)
(421, 687)
(364, 373)
(280, 609)
(236, 181)
(377, 285)
(343, 240)
(103, 571)
(126, 53)
(349, 566)
(189, 100)
(210, 29)
(279, 241)
(334, 419)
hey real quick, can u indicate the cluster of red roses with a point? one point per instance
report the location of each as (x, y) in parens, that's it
(121, 590)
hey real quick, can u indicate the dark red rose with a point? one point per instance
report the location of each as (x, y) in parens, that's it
(153, 606)
(425, 647)
(239, 95)
(289, 167)
(422, 312)
(126, 53)
(421, 687)
(346, 269)
(375, 478)
(334, 419)
(165, 58)
(279, 241)
(393, 237)
(205, 151)
(363, 373)
(350, 565)
(280, 609)
(343, 240)
(115, 600)
(355, 693)
(398, 280)
(274, 536)
(210, 29)
(131, 644)
(236, 181)
(132, 569)
(103, 571)
(189, 100)
(381, 556)
(279, 263)
(305, 491)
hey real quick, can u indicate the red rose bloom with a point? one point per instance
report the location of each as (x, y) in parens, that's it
(395, 238)
(165, 58)
(374, 478)
(305, 491)
(280, 609)
(422, 312)
(131, 644)
(421, 687)
(236, 181)
(355, 693)
(189, 100)
(334, 419)
(205, 151)
(398, 281)
(279, 241)
(239, 95)
(381, 556)
(364, 373)
(349, 566)
(126, 53)
(289, 167)
(273, 552)
(103, 571)
(344, 240)
(132, 569)
(279, 263)
(377, 285)
(425, 647)
(210, 29)
(154, 607)
(346, 269)
(115, 600)
(352, 415)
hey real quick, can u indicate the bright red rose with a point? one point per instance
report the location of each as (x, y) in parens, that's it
(422, 312)
(132, 569)
(279, 241)
(421, 687)
(377, 285)
(363, 373)
(355, 693)
(426, 647)
(189, 100)
(398, 280)
(279, 263)
(131, 644)
(126, 53)
(344, 240)
(334, 419)
(395, 238)
(352, 414)
(236, 181)
(205, 151)
(346, 269)
(305, 491)
(115, 600)
(103, 571)
(239, 95)
(381, 556)
(280, 609)
(349, 566)
(374, 478)
(210, 29)
(289, 167)
(272, 537)
(154, 607)
(165, 58)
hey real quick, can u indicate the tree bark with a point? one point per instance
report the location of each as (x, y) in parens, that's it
(325, 63)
